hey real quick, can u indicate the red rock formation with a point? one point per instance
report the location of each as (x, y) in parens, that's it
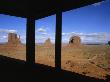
(75, 40)
(13, 39)
(48, 42)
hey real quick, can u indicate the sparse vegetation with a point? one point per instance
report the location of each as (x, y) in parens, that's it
(89, 60)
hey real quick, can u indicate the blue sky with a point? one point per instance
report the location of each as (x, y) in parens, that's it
(91, 23)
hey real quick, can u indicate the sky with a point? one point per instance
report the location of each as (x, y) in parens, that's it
(91, 23)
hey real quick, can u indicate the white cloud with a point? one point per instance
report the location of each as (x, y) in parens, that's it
(41, 34)
(72, 33)
(7, 31)
(12, 31)
(102, 37)
(98, 4)
(64, 34)
(41, 30)
(3, 37)
(97, 37)
(44, 33)
(76, 33)
(88, 37)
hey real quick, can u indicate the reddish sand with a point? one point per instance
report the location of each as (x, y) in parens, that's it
(84, 60)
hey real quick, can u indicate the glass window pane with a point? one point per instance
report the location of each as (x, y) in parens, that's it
(13, 37)
(45, 41)
(85, 38)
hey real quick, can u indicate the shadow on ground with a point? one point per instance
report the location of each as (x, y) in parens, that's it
(13, 70)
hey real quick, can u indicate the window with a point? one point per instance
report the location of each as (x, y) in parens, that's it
(85, 37)
(45, 41)
(13, 37)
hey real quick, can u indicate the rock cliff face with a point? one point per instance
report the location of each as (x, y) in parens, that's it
(48, 42)
(13, 39)
(13, 46)
(75, 40)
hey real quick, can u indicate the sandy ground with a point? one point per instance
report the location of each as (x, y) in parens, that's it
(89, 60)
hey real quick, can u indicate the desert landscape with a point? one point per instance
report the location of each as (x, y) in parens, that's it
(88, 60)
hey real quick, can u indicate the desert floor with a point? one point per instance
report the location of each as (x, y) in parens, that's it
(89, 60)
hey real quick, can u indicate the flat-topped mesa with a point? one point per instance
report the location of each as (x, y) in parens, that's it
(48, 42)
(13, 39)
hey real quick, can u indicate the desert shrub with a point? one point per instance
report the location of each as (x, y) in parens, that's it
(88, 55)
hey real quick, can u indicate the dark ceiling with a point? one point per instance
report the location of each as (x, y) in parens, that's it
(40, 8)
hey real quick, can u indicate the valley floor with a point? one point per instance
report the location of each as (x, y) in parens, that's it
(88, 60)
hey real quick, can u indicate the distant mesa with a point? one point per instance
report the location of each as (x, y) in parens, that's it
(48, 42)
(75, 40)
(108, 42)
(13, 39)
